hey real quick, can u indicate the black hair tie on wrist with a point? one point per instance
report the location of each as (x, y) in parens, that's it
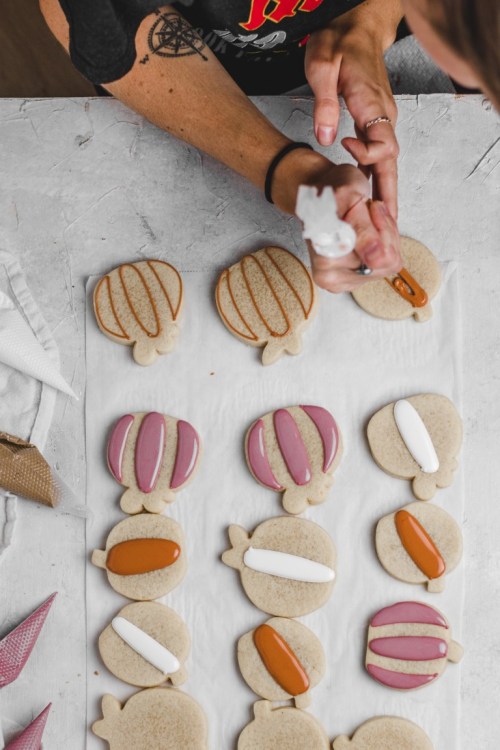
(277, 159)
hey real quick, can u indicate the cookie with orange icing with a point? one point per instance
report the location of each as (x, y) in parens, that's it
(145, 557)
(405, 294)
(282, 728)
(268, 299)
(281, 660)
(385, 733)
(138, 305)
(420, 543)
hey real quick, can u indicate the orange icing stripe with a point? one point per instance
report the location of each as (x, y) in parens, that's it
(409, 289)
(106, 280)
(249, 258)
(280, 661)
(138, 556)
(419, 545)
(226, 275)
(173, 312)
(295, 292)
(150, 297)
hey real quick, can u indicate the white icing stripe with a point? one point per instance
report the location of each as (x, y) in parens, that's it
(283, 565)
(146, 646)
(415, 436)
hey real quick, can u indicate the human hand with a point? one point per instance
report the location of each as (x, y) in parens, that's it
(347, 58)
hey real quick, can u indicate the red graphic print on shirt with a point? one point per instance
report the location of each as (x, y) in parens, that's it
(276, 10)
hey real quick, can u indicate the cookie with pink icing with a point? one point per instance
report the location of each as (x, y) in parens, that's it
(409, 646)
(295, 451)
(155, 456)
(287, 565)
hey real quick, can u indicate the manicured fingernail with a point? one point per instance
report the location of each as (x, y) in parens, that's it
(372, 251)
(325, 135)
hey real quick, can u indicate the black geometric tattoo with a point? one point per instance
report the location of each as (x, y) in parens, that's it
(172, 36)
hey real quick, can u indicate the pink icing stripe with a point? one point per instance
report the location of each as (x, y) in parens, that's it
(409, 612)
(149, 450)
(188, 449)
(31, 737)
(328, 430)
(257, 457)
(292, 447)
(399, 680)
(116, 445)
(410, 648)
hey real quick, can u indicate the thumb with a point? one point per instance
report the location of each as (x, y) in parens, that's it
(322, 72)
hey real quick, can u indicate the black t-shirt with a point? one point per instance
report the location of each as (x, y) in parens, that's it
(259, 42)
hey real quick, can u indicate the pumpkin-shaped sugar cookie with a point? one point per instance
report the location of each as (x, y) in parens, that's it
(282, 729)
(155, 456)
(295, 451)
(267, 299)
(420, 543)
(409, 646)
(138, 304)
(287, 565)
(407, 293)
(281, 660)
(145, 645)
(385, 733)
(418, 438)
(144, 557)
(154, 719)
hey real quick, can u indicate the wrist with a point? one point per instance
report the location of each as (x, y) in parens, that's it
(300, 167)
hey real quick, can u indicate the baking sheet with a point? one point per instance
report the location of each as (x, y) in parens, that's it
(352, 364)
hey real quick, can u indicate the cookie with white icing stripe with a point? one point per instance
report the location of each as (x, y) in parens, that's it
(139, 304)
(295, 451)
(282, 729)
(267, 299)
(152, 719)
(409, 646)
(287, 565)
(145, 557)
(385, 733)
(420, 543)
(146, 644)
(407, 293)
(155, 456)
(281, 660)
(418, 438)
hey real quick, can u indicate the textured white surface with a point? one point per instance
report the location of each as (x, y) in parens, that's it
(85, 183)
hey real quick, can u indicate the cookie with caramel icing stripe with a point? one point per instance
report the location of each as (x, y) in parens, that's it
(385, 733)
(144, 558)
(418, 438)
(267, 299)
(419, 543)
(145, 645)
(139, 304)
(282, 729)
(418, 283)
(281, 660)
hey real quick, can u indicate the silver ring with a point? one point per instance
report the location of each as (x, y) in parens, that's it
(363, 270)
(376, 120)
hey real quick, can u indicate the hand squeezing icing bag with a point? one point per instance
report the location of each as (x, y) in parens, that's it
(330, 236)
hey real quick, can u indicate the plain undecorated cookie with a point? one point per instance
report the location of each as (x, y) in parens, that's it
(385, 733)
(145, 645)
(419, 543)
(155, 719)
(145, 557)
(138, 304)
(280, 660)
(409, 646)
(282, 729)
(295, 451)
(418, 438)
(287, 565)
(267, 299)
(155, 456)
(379, 297)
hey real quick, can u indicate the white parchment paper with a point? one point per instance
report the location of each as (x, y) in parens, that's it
(352, 364)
